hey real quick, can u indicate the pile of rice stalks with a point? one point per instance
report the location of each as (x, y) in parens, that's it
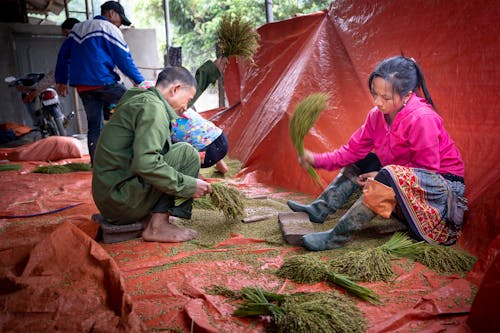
(62, 168)
(237, 37)
(302, 312)
(310, 269)
(444, 259)
(374, 264)
(228, 200)
(305, 115)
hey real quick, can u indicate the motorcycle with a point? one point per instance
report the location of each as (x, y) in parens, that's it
(42, 103)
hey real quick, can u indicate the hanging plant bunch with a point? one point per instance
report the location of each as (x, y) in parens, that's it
(237, 37)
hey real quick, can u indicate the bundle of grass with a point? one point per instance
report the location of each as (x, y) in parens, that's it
(62, 168)
(309, 269)
(303, 312)
(237, 37)
(10, 167)
(374, 264)
(306, 113)
(444, 259)
(228, 200)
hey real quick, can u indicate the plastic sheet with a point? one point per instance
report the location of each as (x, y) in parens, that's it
(456, 44)
(55, 277)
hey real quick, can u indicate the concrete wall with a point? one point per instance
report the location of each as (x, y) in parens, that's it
(33, 48)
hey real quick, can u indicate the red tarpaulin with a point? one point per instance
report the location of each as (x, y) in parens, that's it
(54, 276)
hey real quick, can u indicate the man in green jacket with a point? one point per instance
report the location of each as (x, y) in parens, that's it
(138, 174)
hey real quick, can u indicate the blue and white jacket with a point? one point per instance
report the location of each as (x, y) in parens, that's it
(91, 52)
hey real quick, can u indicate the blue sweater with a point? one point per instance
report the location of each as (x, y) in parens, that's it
(91, 52)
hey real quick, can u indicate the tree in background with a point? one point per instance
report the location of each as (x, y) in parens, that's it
(195, 22)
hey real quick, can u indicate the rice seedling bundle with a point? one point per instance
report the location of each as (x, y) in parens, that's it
(9, 167)
(237, 37)
(303, 312)
(374, 264)
(444, 259)
(305, 115)
(309, 269)
(228, 200)
(367, 265)
(204, 203)
(62, 168)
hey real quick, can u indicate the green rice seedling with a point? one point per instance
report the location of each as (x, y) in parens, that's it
(303, 312)
(305, 115)
(228, 200)
(73, 167)
(374, 264)
(9, 167)
(204, 203)
(237, 37)
(445, 259)
(309, 269)
(51, 169)
(62, 168)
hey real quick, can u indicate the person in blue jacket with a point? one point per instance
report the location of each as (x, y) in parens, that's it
(87, 61)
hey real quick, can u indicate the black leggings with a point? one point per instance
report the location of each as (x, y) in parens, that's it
(215, 151)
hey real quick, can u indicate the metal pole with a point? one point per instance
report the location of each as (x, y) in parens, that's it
(66, 12)
(166, 11)
(269, 11)
(87, 9)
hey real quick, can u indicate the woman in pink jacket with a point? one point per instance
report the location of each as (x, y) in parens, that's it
(403, 157)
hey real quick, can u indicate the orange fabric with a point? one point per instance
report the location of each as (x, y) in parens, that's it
(52, 148)
(379, 197)
(18, 129)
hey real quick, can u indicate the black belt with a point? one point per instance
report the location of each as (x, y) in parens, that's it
(453, 178)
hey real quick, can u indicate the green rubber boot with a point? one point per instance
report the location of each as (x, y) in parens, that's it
(354, 219)
(332, 198)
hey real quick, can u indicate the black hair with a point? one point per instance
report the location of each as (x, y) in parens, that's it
(69, 23)
(404, 74)
(173, 74)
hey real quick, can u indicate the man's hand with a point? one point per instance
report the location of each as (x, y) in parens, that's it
(62, 89)
(202, 188)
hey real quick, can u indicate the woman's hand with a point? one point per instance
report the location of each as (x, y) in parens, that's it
(306, 160)
(362, 179)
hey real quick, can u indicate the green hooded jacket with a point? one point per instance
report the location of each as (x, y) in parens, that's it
(130, 172)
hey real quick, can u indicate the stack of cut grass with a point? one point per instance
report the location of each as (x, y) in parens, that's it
(310, 269)
(305, 115)
(237, 37)
(62, 168)
(9, 167)
(301, 312)
(228, 200)
(443, 259)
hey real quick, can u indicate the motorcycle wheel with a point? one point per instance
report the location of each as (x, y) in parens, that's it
(56, 120)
